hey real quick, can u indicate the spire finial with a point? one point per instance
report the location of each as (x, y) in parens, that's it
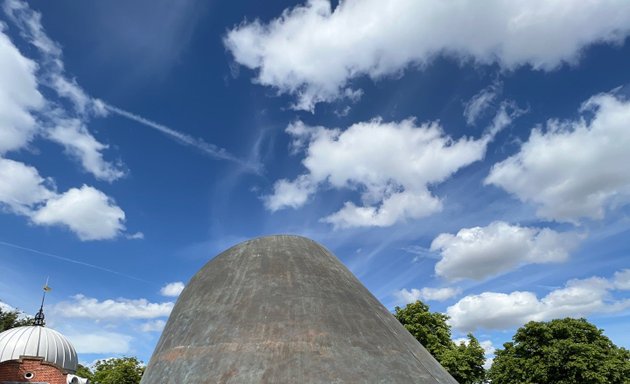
(39, 316)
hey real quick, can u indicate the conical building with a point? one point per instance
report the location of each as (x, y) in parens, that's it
(282, 309)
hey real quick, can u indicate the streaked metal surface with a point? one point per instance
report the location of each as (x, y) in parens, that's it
(38, 341)
(282, 309)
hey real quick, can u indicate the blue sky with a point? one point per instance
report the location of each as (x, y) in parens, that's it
(474, 157)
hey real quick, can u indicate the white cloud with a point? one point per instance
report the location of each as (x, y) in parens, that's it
(86, 307)
(62, 125)
(487, 345)
(88, 212)
(573, 169)
(313, 52)
(22, 188)
(24, 114)
(290, 194)
(426, 294)
(480, 252)
(172, 289)
(622, 280)
(79, 143)
(153, 326)
(492, 310)
(18, 97)
(391, 164)
(6, 307)
(481, 102)
(101, 342)
(488, 349)
(52, 72)
(135, 236)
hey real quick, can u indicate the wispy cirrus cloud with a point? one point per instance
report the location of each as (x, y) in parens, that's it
(481, 102)
(71, 261)
(56, 122)
(63, 117)
(186, 139)
(69, 128)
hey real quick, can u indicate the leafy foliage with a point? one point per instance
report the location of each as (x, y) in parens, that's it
(123, 370)
(561, 351)
(464, 361)
(84, 372)
(12, 319)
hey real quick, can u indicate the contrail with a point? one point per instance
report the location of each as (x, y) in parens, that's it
(68, 260)
(183, 138)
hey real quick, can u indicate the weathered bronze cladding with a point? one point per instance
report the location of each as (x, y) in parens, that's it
(282, 309)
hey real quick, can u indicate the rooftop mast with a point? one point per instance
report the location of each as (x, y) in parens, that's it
(39, 316)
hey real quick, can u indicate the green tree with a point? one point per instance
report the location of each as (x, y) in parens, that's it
(464, 361)
(124, 370)
(84, 372)
(561, 351)
(12, 319)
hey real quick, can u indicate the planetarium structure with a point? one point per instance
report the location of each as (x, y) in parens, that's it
(282, 309)
(37, 354)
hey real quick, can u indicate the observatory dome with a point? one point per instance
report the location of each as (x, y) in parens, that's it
(38, 342)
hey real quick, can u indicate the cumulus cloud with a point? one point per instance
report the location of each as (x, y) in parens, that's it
(573, 169)
(290, 194)
(22, 187)
(390, 163)
(86, 211)
(91, 308)
(426, 294)
(172, 289)
(480, 252)
(101, 342)
(493, 310)
(313, 51)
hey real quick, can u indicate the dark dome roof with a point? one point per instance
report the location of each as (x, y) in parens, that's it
(282, 309)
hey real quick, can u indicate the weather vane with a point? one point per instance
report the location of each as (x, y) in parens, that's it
(39, 317)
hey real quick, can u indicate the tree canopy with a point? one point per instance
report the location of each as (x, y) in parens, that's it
(13, 318)
(122, 370)
(85, 372)
(561, 351)
(463, 361)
